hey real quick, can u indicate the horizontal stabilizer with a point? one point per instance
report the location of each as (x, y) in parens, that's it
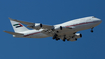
(13, 33)
(23, 22)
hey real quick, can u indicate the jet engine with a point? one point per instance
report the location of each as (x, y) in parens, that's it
(59, 28)
(38, 25)
(78, 35)
(75, 37)
(35, 26)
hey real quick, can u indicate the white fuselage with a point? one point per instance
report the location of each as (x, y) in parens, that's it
(73, 26)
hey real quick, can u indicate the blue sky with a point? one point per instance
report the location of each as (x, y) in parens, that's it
(90, 46)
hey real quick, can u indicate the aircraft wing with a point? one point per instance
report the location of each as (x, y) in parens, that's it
(36, 26)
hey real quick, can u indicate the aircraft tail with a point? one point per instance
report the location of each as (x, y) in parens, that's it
(18, 27)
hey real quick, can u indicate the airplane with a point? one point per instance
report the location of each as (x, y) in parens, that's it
(64, 31)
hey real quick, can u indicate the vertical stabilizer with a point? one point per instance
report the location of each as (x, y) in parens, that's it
(18, 27)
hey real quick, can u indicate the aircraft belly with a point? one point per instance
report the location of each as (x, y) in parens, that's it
(66, 32)
(39, 35)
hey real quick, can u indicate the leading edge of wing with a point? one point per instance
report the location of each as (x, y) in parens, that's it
(31, 24)
(23, 22)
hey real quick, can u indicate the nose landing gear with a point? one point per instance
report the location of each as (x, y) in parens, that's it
(92, 29)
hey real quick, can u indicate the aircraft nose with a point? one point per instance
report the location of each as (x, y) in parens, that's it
(99, 20)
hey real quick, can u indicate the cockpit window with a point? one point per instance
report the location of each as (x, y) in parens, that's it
(93, 17)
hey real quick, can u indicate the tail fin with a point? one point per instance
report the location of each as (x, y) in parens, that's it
(18, 27)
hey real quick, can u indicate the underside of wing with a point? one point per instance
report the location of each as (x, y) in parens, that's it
(70, 37)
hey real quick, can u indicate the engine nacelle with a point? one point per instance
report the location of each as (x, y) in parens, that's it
(78, 35)
(38, 25)
(35, 26)
(59, 28)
